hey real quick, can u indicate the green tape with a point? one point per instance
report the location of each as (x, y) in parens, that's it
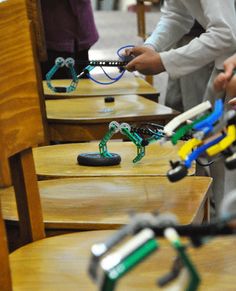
(184, 129)
(128, 264)
(194, 276)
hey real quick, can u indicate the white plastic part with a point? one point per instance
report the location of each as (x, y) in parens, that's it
(125, 126)
(184, 117)
(98, 249)
(60, 61)
(171, 234)
(116, 125)
(115, 258)
(69, 61)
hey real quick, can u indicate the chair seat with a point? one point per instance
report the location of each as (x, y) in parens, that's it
(125, 108)
(128, 84)
(61, 263)
(86, 119)
(106, 202)
(61, 160)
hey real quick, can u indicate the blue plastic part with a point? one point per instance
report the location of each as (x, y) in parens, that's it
(155, 137)
(89, 68)
(206, 125)
(198, 151)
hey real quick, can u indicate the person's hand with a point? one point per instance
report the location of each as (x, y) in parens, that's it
(231, 91)
(227, 80)
(146, 61)
(223, 79)
(232, 102)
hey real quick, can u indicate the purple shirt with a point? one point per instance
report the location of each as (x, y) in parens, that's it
(69, 24)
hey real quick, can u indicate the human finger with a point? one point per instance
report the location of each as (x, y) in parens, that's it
(220, 82)
(131, 66)
(232, 101)
(229, 68)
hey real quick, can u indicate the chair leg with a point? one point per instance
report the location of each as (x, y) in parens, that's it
(5, 276)
(27, 196)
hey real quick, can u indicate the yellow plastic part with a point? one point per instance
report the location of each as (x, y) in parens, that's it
(187, 147)
(224, 143)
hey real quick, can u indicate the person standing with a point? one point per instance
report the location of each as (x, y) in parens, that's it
(70, 31)
(218, 18)
(187, 91)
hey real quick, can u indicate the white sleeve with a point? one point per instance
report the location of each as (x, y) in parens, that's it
(174, 23)
(216, 44)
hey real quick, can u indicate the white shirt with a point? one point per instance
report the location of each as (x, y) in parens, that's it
(217, 17)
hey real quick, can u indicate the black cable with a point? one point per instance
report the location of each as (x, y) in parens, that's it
(214, 228)
(204, 164)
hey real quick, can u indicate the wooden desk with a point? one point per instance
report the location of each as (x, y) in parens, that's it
(105, 202)
(61, 160)
(128, 84)
(215, 263)
(85, 119)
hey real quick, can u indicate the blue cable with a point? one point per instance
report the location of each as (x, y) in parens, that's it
(197, 152)
(206, 125)
(114, 79)
(106, 83)
(110, 77)
(122, 48)
(75, 78)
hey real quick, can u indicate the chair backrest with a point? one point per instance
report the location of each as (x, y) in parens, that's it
(20, 117)
(34, 13)
(21, 125)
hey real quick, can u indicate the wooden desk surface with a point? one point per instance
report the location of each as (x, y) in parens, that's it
(63, 262)
(105, 202)
(93, 110)
(61, 160)
(86, 119)
(128, 84)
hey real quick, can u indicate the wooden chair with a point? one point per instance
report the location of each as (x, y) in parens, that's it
(40, 53)
(34, 14)
(129, 84)
(85, 203)
(86, 119)
(20, 129)
(60, 262)
(82, 115)
(60, 161)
